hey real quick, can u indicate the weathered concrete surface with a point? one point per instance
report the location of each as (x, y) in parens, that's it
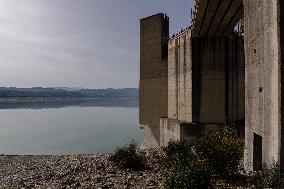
(180, 77)
(263, 79)
(281, 36)
(151, 137)
(170, 129)
(218, 80)
(153, 89)
(215, 67)
(153, 93)
(179, 87)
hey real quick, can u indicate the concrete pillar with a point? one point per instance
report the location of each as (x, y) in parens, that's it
(262, 80)
(153, 87)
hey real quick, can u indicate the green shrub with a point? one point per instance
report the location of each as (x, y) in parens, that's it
(222, 151)
(174, 151)
(127, 157)
(194, 165)
(272, 177)
(184, 169)
(182, 147)
(185, 173)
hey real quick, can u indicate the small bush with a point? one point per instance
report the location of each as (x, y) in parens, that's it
(222, 151)
(127, 157)
(272, 177)
(187, 172)
(195, 165)
(183, 167)
(182, 148)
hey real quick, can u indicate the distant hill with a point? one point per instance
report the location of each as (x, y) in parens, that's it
(62, 92)
(69, 88)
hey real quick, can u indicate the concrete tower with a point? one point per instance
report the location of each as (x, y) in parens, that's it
(153, 95)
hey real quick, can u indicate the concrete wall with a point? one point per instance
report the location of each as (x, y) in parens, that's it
(281, 25)
(263, 79)
(180, 77)
(205, 83)
(218, 80)
(153, 93)
(235, 81)
(170, 129)
(151, 137)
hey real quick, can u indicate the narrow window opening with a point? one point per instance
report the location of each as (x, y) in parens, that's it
(257, 152)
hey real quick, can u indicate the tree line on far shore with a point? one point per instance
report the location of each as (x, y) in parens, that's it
(39, 92)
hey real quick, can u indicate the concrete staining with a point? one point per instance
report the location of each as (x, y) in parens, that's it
(263, 80)
(180, 77)
(210, 75)
(218, 80)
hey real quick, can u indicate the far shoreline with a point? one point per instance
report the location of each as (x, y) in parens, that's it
(44, 99)
(59, 102)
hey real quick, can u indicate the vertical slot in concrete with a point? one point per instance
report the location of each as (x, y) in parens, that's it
(257, 152)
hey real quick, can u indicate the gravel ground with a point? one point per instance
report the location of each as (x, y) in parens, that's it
(72, 171)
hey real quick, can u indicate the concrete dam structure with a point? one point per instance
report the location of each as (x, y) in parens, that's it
(209, 74)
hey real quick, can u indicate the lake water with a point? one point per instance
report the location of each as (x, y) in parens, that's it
(89, 126)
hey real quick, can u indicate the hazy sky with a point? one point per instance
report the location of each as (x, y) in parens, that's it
(77, 43)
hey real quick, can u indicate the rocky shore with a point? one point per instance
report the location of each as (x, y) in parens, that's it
(73, 171)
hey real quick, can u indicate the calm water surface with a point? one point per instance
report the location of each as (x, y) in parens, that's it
(96, 126)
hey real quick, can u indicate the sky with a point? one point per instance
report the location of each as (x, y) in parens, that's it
(77, 43)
